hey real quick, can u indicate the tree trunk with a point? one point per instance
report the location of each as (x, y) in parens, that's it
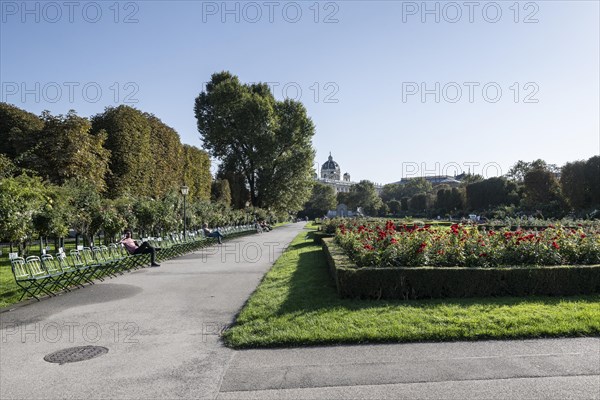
(253, 197)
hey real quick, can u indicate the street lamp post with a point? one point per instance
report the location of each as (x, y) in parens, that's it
(184, 192)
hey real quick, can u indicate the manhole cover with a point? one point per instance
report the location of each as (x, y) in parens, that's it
(75, 354)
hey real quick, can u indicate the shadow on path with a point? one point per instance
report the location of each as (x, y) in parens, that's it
(90, 294)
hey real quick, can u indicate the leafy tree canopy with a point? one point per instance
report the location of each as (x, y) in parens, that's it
(363, 194)
(416, 186)
(518, 171)
(68, 150)
(221, 192)
(267, 141)
(322, 199)
(19, 131)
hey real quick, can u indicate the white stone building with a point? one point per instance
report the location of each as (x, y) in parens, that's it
(331, 175)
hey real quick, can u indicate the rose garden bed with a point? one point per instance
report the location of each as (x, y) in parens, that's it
(438, 282)
(411, 262)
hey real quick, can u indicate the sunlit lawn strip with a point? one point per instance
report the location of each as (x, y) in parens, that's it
(297, 304)
(9, 291)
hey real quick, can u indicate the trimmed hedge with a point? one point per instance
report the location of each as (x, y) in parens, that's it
(438, 282)
(318, 236)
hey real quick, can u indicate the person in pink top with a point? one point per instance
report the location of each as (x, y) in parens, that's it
(132, 248)
(212, 233)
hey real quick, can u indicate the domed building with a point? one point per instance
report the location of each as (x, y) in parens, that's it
(330, 169)
(331, 175)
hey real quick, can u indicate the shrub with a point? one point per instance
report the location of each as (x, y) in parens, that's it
(440, 282)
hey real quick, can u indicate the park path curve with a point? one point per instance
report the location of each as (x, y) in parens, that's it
(161, 326)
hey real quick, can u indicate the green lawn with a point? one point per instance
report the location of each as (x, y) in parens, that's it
(9, 291)
(296, 304)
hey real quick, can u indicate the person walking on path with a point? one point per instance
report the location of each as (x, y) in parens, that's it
(132, 248)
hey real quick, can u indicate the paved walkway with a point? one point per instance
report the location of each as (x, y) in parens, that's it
(162, 326)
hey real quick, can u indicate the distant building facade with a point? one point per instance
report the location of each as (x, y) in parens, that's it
(435, 180)
(331, 175)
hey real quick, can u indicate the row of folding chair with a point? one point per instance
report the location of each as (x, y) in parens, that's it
(49, 274)
(175, 244)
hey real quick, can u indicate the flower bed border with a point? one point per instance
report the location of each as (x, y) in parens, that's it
(456, 282)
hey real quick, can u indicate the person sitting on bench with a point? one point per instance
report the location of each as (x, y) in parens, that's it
(133, 249)
(265, 226)
(212, 234)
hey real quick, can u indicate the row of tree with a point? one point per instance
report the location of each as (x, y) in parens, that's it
(32, 208)
(122, 168)
(263, 145)
(529, 187)
(122, 150)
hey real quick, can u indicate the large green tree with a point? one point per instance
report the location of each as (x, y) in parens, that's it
(450, 199)
(343, 198)
(572, 181)
(221, 192)
(518, 171)
(322, 199)
(267, 141)
(167, 153)
(240, 196)
(468, 179)
(85, 204)
(592, 181)
(19, 132)
(109, 220)
(21, 198)
(394, 206)
(418, 203)
(196, 172)
(391, 191)
(416, 186)
(147, 157)
(542, 191)
(491, 193)
(52, 220)
(363, 194)
(285, 179)
(129, 141)
(580, 183)
(7, 167)
(408, 188)
(68, 150)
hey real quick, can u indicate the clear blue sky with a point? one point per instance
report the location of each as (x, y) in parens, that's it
(361, 69)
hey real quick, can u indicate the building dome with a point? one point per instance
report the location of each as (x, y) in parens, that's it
(330, 169)
(330, 164)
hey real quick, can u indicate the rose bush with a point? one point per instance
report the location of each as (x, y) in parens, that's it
(371, 243)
